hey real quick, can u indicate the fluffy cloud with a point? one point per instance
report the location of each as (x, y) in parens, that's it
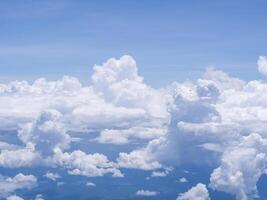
(241, 167)
(215, 116)
(80, 163)
(117, 81)
(20, 181)
(198, 192)
(144, 158)
(24, 157)
(147, 193)
(47, 133)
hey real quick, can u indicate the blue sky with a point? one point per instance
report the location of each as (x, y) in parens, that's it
(171, 40)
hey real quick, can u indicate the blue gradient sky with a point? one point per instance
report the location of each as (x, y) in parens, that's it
(171, 40)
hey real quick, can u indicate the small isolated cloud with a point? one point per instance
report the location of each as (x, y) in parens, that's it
(183, 180)
(198, 192)
(52, 176)
(14, 197)
(262, 65)
(162, 173)
(146, 193)
(159, 174)
(20, 181)
(90, 184)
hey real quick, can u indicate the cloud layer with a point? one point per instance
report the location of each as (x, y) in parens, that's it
(218, 117)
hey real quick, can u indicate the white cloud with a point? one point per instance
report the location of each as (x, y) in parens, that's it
(80, 163)
(47, 133)
(183, 180)
(262, 65)
(159, 174)
(14, 197)
(19, 158)
(20, 181)
(211, 117)
(241, 167)
(147, 193)
(115, 136)
(143, 158)
(52, 176)
(198, 192)
(90, 184)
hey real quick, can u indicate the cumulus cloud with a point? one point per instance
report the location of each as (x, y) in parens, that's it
(216, 116)
(80, 163)
(147, 193)
(144, 158)
(198, 192)
(20, 181)
(241, 167)
(23, 157)
(47, 133)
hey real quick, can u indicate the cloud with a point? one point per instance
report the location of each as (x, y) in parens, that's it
(241, 167)
(147, 193)
(159, 174)
(262, 65)
(218, 117)
(52, 176)
(183, 180)
(80, 163)
(198, 192)
(20, 181)
(143, 158)
(115, 136)
(14, 197)
(90, 184)
(24, 157)
(47, 133)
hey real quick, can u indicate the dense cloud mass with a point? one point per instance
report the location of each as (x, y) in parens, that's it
(218, 117)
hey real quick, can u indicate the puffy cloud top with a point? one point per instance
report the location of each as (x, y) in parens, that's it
(198, 192)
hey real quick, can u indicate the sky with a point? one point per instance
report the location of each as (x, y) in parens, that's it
(133, 100)
(169, 40)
